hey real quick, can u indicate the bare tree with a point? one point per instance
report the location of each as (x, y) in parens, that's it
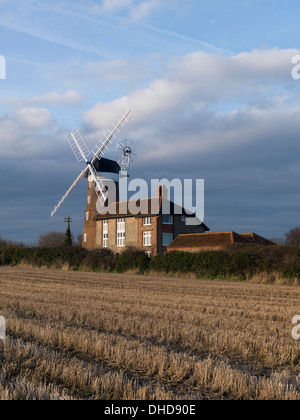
(293, 237)
(3, 242)
(278, 241)
(52, 240)
(79, 239)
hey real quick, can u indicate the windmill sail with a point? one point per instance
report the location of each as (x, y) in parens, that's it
(78, 146)
(82, 175)
(82, 154)
(103, 145)
(98, 185)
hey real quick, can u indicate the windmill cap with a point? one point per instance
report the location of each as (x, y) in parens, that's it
(107, 166)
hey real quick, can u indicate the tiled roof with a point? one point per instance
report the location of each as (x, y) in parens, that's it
(146, 207)
(217, 239)
(254, 238)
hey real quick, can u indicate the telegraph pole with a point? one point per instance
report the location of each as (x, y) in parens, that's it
(69, 221)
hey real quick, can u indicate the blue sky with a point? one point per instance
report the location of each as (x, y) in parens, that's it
(209, 85)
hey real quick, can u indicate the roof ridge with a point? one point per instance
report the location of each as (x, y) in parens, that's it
(207, 233)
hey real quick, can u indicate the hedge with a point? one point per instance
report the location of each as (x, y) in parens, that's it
(238, 262)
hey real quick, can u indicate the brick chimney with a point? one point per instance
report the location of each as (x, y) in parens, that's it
(162, 192)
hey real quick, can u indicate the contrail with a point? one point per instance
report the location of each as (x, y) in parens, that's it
(100, 32)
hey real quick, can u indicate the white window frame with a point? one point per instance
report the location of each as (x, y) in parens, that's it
(171, 218)
(167, 242)
(149, 254)
(105, 234)
(121, 232)
(147, 238)
(85, 238)
(87, 216)
(147, 221)
(89, 199)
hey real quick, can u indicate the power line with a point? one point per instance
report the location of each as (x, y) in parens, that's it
(35, 228)
(27, 229)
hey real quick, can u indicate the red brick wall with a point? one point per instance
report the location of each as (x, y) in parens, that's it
(90, 225)
(176, 229)
(134, 230)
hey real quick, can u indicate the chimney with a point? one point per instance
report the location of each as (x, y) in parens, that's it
(162, 192)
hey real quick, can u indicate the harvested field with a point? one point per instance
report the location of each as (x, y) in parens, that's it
(73, 335)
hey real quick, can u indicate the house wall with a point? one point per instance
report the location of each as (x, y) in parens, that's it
(133, 234)
(178, 227)
(134, 230)
(130, 234)
(153, 229)
(161, 229)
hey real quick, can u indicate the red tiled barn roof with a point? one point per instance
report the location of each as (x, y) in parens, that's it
(217, 239)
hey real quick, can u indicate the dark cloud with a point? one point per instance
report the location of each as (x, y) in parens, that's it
(232, 121)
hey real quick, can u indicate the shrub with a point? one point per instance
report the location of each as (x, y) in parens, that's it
(205, 264)
(100, 260)
(241, 263)
(42, 256)
(132, 259)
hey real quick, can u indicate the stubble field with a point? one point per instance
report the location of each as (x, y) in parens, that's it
(73, 335)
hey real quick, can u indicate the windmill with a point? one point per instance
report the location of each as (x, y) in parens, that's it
(82, 154)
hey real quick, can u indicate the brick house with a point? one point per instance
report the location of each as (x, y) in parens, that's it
(195, 242)
(150, 230)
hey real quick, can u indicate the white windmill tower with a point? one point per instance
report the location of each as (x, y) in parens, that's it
(93, 166)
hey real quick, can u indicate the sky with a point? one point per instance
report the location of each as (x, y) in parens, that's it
(209, 85)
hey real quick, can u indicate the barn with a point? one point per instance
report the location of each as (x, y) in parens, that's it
(214, 241)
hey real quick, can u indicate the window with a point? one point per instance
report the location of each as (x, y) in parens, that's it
(149, 254)
(89, 200)
(85, 238)
(87, 216)
(147, 238)
(183, 219)
(167, 219)
(147, 221)
(167, 239)
(105, 233)
(121, 232)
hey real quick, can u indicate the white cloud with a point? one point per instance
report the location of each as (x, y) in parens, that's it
(70, 97)
(142, 10)
(129, 71)
(208, 102)
(29, 133)
(200, 77)
(113, 6)
(135, 9)
(34, 118)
